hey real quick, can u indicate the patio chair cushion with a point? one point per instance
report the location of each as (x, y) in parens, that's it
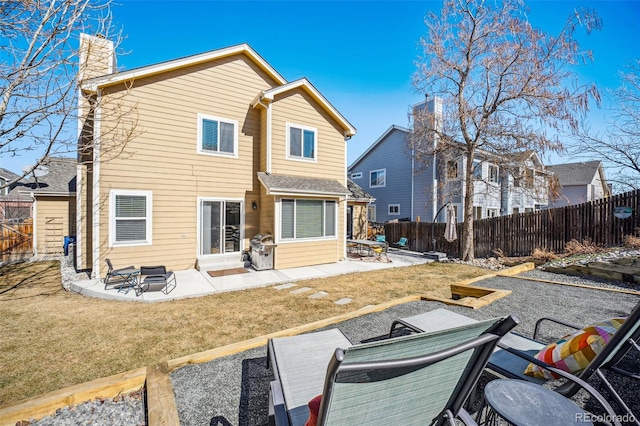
(314, 409)
(573, 352)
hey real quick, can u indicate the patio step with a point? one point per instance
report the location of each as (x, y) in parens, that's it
(219, 264)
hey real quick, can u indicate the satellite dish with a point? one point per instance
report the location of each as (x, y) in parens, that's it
(38, 171)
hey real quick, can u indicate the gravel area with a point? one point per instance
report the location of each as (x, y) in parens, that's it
(233, 390)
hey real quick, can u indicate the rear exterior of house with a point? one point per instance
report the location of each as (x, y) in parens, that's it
(185, 190)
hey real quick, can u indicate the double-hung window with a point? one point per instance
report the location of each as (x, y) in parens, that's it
(377, 178)
(394, 209)
(493, 174)
(217, 135)
(129, 217)
(308, 219)
(301, 142)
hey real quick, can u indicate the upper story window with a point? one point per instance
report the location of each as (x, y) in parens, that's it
(493, 174)
(394, 209)
(301, 142)
(217, 135)
(529, 176)
(356, 175)
(452, 169)
(477, 170)
(377, 178)
(129, 217)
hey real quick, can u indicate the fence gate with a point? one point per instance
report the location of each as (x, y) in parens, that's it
(16, 240)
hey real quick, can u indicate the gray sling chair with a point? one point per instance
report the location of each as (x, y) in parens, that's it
(156, 278)
(116, 276)
(515, 352)
(418, 379)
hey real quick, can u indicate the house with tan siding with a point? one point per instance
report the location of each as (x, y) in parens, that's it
(48, 196)
(220, 148)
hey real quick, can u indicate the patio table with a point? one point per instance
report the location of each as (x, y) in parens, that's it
(525, 404)
(129, 277)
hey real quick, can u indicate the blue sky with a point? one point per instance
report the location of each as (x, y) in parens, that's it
(359, 54)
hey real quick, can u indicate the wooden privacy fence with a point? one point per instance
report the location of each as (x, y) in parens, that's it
(519, 234)
(16, 240)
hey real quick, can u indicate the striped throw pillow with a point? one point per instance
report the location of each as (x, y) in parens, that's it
(572, 353)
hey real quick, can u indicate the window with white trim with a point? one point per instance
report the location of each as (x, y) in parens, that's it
(356, 175)
(477, 170)
(371, 212)
(452, 169)
(492, 212)
(217, 135)
(129, 217)
(493, 174)
(301, 142)
(301, 218)
(377, 178)
(394, 209)
(477, 212)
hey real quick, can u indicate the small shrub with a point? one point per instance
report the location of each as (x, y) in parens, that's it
(543, 254)
(587, 246)
(499, 253)
(631, 241)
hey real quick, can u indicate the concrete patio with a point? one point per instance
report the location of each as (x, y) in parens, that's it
(194, 283)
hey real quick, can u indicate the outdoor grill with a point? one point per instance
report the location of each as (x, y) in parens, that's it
(262, 251)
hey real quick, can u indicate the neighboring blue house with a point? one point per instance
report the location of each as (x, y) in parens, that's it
(406, 190)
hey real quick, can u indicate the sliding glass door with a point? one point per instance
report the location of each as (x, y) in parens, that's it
(220, 226)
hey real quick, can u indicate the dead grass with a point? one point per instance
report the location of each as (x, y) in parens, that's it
(631, 241)
(53, 339)
(575, 247)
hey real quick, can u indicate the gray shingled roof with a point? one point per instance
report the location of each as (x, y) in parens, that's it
(7, 174)
(575, 173)
(301, 185)
(357, 193)
(60, 179)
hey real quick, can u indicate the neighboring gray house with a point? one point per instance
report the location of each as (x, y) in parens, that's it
(580, 183)
(405, 190)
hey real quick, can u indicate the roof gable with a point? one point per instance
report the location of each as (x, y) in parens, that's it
(581, 173)
(304, 84)
(162, 67)
(378, 142)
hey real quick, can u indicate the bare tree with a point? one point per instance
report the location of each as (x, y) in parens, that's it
(619, 145)
(506, 88)
(41, 74)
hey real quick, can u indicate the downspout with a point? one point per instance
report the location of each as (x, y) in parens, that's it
(95, 208)
(413, 160)
(35, 227)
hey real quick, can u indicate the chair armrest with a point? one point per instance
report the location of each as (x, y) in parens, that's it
(564, 390)
(277, 410)
(554, 320)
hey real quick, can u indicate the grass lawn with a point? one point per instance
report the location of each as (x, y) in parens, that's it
(52, 339)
